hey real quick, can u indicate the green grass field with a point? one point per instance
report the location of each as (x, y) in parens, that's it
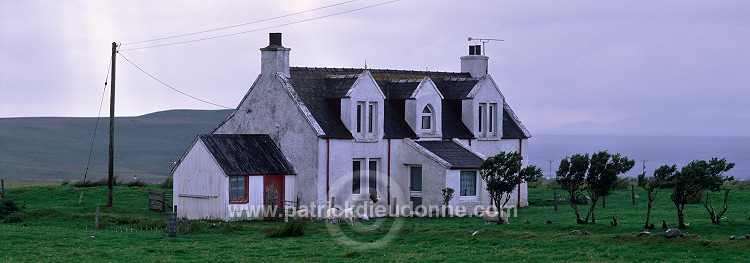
(59, 229)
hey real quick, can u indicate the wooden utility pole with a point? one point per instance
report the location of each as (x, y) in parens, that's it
(111, 167)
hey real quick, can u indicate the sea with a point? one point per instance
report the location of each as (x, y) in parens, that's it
(651, 151)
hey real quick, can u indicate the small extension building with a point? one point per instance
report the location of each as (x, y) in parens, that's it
(384, 138)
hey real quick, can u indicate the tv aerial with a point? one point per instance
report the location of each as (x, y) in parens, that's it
(484, 41)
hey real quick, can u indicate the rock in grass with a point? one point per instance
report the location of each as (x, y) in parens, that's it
(671, 233)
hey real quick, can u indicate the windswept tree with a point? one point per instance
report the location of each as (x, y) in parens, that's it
(602, 175)
(653, 184)
(570, 176)
(503, 172)
(697, 176)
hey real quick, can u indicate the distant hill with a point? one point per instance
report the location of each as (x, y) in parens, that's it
(648, 125)
(50, 149)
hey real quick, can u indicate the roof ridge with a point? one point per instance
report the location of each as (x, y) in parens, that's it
(375, 70)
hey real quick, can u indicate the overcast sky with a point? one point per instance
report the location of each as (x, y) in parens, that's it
(562, 62)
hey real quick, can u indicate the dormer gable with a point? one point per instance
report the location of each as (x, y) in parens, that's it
(483, 109)
(423, 109)
(362, 108)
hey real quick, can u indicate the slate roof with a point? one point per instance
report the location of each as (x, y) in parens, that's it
(321, 90)
(458, 156)
(246, 154)
(511, 130)
(452, 117)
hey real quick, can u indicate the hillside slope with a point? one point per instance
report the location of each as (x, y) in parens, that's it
(50, 149)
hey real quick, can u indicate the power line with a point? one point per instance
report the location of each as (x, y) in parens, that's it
(165, 84)
(259, 29)
(243, 24)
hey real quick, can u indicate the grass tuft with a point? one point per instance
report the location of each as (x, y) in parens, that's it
(295, 228)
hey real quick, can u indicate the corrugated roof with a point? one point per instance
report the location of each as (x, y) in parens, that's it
(458, 156)
(246, 154)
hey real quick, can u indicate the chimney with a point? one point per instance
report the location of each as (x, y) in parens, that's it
(275, 57)
(475, 63)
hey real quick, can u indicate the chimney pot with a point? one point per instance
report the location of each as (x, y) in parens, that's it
(274, 39)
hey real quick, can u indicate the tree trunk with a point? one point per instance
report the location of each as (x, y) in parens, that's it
(651, 198)
(575, 209)
(592, 210)
(680, 216)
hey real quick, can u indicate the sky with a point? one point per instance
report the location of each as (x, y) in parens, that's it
(643, 67)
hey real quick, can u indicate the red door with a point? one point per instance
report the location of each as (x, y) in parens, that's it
(273, 194)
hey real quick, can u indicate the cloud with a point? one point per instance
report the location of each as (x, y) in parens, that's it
(561, 61)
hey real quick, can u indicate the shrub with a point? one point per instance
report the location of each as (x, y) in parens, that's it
(101, 182)
(65, 182)
(167, 184)
(136, 183)
(624, 183)
(15, 217)
(7, 207)
(185, 227)
(294, 228)
(536, 184)
(552, 184)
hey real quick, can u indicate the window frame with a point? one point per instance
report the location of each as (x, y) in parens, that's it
(360, 117)
(430, 115)
(491, 115)
(461, 187)
(482, 108)
(246, 186)
(372, 174)
(357, 176)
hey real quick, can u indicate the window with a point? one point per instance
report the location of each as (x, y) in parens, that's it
(366, 120)
(372, 178)
(481, 117)
(468, 183)
(491, 119)
(416, 178)
(360, 114)
(370, 119)
(238, 189)
(427, 119)
(415, 188)
(356, 168)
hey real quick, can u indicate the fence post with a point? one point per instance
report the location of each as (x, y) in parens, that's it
(632, 193)
(554, 199)
(96, 222)
(2, 189)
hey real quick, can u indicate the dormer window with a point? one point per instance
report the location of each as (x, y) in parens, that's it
(366, 125)
(427, 119)
(487, 120)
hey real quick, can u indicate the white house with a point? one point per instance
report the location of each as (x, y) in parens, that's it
(385, 138)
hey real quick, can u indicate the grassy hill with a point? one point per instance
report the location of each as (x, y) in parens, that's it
(50, 149)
